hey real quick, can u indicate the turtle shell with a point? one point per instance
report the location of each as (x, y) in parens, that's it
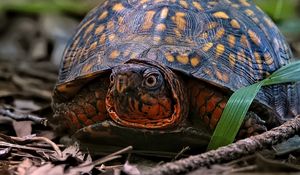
(227, 43)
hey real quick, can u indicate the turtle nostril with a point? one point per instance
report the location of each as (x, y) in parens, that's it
(121, 83)
(112, 78)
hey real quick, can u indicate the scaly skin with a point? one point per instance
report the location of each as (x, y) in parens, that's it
(86, 108)
(125, 100)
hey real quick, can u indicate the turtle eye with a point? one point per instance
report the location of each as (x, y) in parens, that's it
(152, 81)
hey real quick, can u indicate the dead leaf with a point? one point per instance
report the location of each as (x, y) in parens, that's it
(48, 169)
(24, 167)
(130, 169)
(22, 128)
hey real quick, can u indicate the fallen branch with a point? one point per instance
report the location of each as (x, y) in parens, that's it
(230, 152)
(23, 117)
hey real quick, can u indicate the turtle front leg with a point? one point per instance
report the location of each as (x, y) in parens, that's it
(252, 125)
(86, 108)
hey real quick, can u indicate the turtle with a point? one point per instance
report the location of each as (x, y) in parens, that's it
(157, 74)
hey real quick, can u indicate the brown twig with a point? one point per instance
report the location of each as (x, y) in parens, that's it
(232, 151)
(22, 117)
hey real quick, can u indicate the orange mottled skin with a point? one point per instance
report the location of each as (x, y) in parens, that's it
(89, 106)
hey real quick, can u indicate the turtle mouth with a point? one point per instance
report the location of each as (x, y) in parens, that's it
(159, 119)
(131, 106)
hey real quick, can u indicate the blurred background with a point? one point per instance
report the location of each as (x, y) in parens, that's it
(33, 35)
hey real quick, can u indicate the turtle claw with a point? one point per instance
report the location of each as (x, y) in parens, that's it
(253, 125)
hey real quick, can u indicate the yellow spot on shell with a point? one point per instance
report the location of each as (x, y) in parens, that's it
(235, 5)
(169, 57)
(184, 59)
(164, 13)
(87, 67)
(221, 15)
(235, 24)
(221, 76)
(133, 55)
(94, 45)
(179, 20)
(197, 5)
(207, 46)
(257, 58)
(254, 37)
(259, 62)
(195, 61)
(208, 72)
(269, 21)
(212, 3)
(183, 3)
(103, 15)
(112, 37)
(245, 3)
(120, 19)
(203, 35)
(241, 56)
(256, 20)
(268, 58)
(84, 25)
(110, 25)
(232, 60)
(99, 29)
(170, 40)
(114, 54)
(220, 33)
(244, 41)
(177, 32)
(157, 38)
(89, 29)
(249, 12)
(160, 27)
(220, 50)
(118, 7)
(103, 38)
(212, 25)
(231, 40)
(148, 20)
(143, 1)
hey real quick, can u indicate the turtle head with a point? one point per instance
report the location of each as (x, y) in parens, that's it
(146, 95)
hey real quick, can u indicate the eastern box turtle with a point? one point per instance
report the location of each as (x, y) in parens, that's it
(156, 74)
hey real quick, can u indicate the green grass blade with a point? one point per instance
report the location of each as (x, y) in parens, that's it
(240, 101)
(233, 116)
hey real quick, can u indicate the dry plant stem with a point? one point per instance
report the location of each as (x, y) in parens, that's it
(5, 144)
(232, 151)
(110, 157)
(44, 139)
